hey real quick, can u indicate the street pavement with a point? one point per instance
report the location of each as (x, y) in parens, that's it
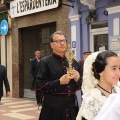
(19, 109)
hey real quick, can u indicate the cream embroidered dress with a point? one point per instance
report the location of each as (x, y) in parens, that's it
(92, 103)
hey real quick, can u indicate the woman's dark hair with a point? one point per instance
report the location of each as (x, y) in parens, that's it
(100, 62)
(57, 32)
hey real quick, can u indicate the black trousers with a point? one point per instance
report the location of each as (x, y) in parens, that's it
(38, 97)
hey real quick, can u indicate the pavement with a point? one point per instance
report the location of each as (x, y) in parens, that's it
(19, 109)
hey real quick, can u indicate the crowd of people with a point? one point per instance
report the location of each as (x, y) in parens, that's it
(58, 76)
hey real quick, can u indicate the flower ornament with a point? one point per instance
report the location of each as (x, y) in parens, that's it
(91, 17)
(92, 13)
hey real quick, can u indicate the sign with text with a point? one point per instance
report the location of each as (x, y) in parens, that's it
(25, 7)
(114, 42)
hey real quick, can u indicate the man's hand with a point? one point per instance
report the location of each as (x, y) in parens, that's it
(65, 80)
(75, 74)
(8, 93)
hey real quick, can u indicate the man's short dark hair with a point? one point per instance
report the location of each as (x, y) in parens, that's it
(57, 32)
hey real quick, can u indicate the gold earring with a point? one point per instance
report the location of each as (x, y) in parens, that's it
(92, 73)
(101, 78)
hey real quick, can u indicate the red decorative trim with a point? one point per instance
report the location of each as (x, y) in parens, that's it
(41, 87)
(64, 93)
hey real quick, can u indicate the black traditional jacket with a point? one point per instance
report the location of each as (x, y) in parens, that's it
(56, 96)
(50, 70)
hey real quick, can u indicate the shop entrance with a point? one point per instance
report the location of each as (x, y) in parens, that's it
(34, 38)
(99, 36)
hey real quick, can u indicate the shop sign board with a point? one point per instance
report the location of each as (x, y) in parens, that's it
(25, 7)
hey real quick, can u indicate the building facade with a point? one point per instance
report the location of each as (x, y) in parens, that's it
(6, 41)
(96, 26)
(32, 23)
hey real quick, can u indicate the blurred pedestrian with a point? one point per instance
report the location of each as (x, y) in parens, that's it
(33, 69)
(34, 62)
(4, 79)
(58, 89)
(81, 62)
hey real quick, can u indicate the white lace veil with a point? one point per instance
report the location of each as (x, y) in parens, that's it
(89, 81)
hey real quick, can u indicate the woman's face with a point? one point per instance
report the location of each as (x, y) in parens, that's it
(111, 73)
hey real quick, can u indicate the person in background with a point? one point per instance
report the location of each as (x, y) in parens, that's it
(100, 78)
(58, 89)
(81, 65)
(34, 62)
(33, 69)
(81, 62)
(4, 79)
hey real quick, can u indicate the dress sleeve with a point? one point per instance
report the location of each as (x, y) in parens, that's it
(89, 108)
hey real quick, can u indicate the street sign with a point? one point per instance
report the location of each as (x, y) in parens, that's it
(4, 27)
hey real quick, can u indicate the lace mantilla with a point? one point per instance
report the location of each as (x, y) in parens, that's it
(89, 81)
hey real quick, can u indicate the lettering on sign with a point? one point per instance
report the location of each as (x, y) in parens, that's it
(24, 7)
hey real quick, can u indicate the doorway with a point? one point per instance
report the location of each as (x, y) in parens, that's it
(99, 38)
(34, 38)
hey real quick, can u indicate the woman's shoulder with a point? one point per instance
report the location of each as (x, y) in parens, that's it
(92, 93)
(92, 103)
(96, 95)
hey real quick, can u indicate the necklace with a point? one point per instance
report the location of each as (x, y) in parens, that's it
(105, 90)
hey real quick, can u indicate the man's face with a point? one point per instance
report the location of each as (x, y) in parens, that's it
(37, 54)
(86, 55)
(59, 44)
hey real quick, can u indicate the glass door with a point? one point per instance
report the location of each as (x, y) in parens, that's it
(99, 39)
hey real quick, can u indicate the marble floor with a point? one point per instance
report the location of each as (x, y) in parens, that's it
(19, 109)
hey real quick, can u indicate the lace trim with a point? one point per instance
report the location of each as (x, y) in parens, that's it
(89, 81)
(92, 103)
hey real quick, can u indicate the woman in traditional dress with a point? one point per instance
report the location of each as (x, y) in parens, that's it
(100, 78)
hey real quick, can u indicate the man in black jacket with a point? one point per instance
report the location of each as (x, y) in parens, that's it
(55, 84)
(3, 79)
(33, 67)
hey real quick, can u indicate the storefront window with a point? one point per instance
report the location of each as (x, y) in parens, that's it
(99, 36)
(100, 42)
